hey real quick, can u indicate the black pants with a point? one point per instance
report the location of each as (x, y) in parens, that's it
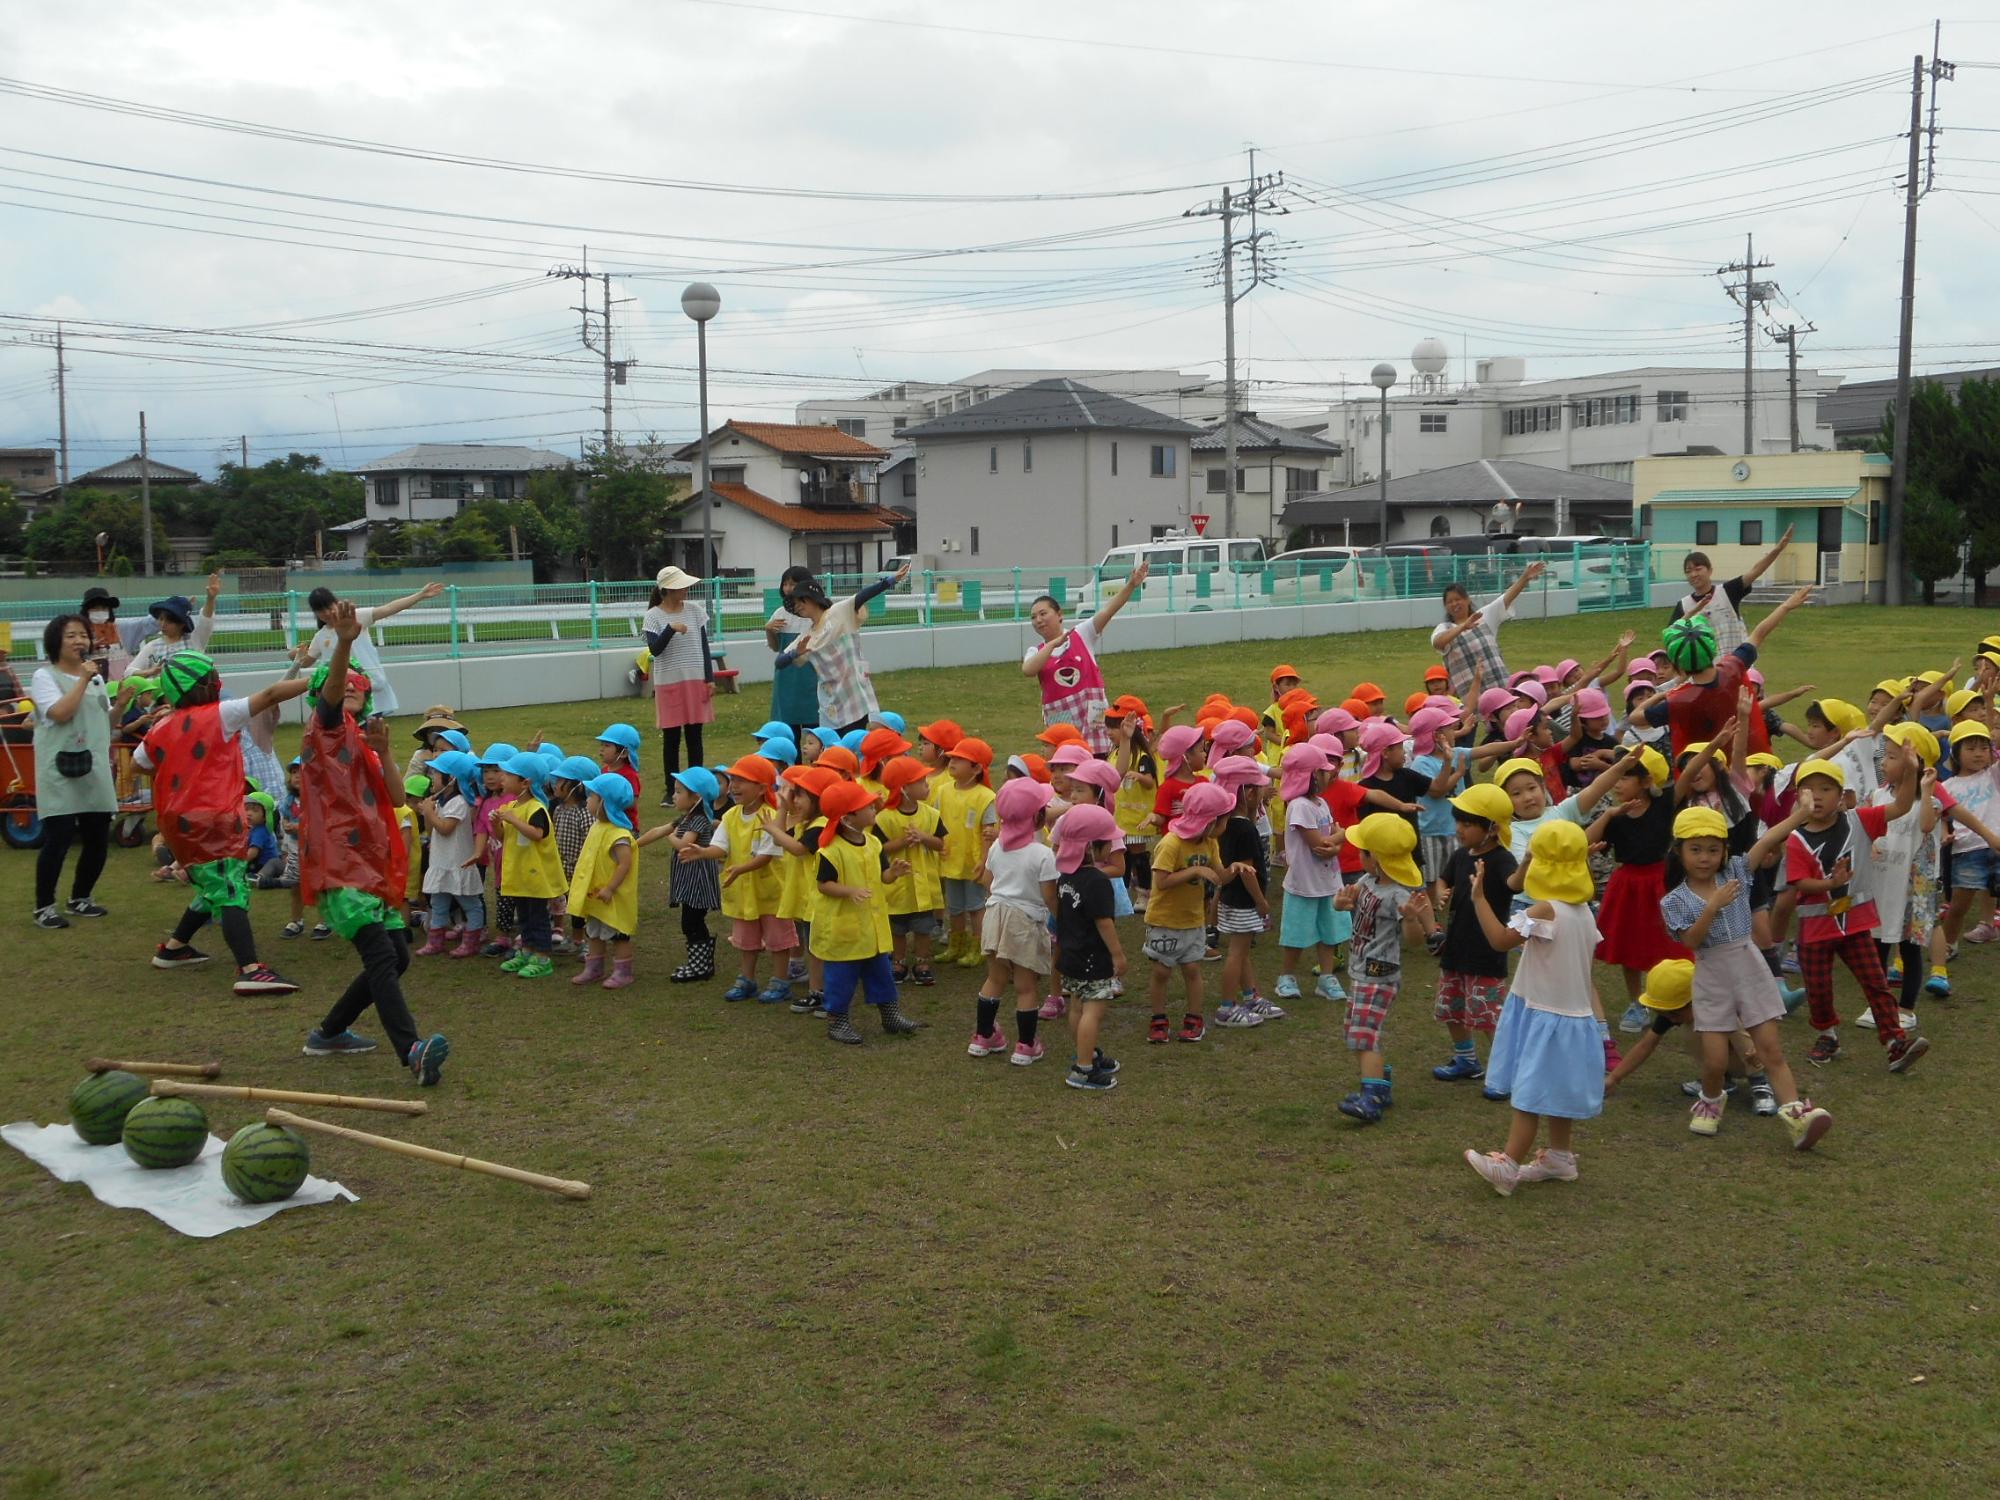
(1913, 960)
(384, 957)
(694, 923)
(93, 832)
(235, 924)
(860, 723)
(534, 914)
(670, 750)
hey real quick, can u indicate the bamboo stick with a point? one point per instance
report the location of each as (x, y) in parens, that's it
(173, 1086)
(425, 1153)
(155, 1069)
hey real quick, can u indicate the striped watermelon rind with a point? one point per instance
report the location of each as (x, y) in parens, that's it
(98, 1106)
(265, 1163)
(166, 1132)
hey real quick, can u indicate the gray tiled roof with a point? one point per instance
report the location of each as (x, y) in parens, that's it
(1481, 482)
(1855, 410)
(1254, 435)
(126, 471)
(464, 458)
(1060, 405)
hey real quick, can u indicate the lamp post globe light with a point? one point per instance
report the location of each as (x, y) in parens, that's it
(1382, 377)
(700, 301)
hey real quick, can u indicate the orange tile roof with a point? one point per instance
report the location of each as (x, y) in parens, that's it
(822, 441)
(801, 518)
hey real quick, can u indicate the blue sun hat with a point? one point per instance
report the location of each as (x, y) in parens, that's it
(852, 740)
(615, 792)
(551, 749)
(498, 754)
(771, 729)
(531, 769)
(580, 769)
(826, 734)
(624, 736)
(883, 719)
(457, 739)
(701, 781)
(463, 771)
(780, 751)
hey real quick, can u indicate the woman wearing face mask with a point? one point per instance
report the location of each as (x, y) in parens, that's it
(112, 640)
(794, 689)
(73, 788)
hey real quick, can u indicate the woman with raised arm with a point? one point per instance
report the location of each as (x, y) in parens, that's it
(1469, 639)
(846, 697)
(1066, 663)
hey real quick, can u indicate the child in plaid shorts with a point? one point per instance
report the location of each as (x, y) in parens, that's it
(1389, 905)
(1472, 974)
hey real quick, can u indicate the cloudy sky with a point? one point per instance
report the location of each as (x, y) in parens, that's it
(327, 227)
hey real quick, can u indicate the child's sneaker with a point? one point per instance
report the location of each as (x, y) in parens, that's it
(1705, 1118)
(743, 989)
(1494, 1096)
(1985, 932)
(1789, 964)
(1329, 988)
(1193, 1028)
(500, 947)
(1094, 1079)
(260, 980)
(1939, 984)
(1763, 1098)
(50, 918)
(1267, 1010)
(1156, 1030)
(1904, 1052)
(923, 976)
(1362, 1106)
(1611, 1055)
(1287, 987)
(1461, 1067)
(990, 1045)
(796, 972)
(1549, 1166)
(1866, 1020)
(900, 972)
(1054, 1008)
(1807, 1122)
(536, 966)
(426, 1059)
(1237, 1016)
(321, 932)
(513, 964)
(1099, 1063)
(1825, 1048)
(318, 1044)
(1635, 1020)
(293, 930)
(806, 1004)
(1026, 1054)
(775, 993)
(1498, 1168)
(184, 957)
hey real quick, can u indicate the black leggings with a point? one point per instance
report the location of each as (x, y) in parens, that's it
(93, 832)
(235, 924)
(694, 923)
(384, 957)
(670, 750)
(1914, 972)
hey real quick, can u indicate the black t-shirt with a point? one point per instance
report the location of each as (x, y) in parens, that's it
(1466, 950)
(1403, 784)
(1082, 900)
(1664, 1022)
(1240, 841)
(1590, 744)
(1643, 840)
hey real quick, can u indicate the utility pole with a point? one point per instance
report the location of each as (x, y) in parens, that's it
(62, 411)
(1232, 205)
(1749, 292)
(1899, 447)
(145, 497)
(614, 369)
(1789, 336)
(243, 448)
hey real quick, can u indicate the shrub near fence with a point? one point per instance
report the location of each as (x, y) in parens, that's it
(254, 631)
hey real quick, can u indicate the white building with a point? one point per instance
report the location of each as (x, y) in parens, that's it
(784, 494)
(881, 416)
(1055, 472)
(1274, 466)
(1588, 424)
(435, 481)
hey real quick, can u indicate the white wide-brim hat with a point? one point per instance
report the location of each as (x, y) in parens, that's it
(673, 578)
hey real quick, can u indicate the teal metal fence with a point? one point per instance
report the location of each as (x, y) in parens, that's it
(256, 630)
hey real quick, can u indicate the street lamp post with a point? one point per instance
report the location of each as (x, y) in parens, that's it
(701, 302)
(1383, 376)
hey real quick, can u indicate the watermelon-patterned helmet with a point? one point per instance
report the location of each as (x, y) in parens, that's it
(183, 674)
(354, 675)
(1690, 644)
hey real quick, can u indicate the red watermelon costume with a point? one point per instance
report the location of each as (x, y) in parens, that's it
(348, 839)
(198, 786)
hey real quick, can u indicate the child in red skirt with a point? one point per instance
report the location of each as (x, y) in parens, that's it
(1637, 826)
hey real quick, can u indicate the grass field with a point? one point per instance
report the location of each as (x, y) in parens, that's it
(893, 1270)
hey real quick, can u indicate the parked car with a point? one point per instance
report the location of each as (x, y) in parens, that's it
(1184, 556)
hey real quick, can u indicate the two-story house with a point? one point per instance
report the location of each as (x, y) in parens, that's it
(1274, 466)
(435, 481)
(782, 494)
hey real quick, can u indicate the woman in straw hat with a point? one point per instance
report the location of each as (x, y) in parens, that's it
(676, 632)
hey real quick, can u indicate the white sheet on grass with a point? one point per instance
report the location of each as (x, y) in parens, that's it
(191, 1199)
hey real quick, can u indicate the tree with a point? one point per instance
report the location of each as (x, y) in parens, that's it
(1955, 457)
(631, 500)
(13, 521)
(65, 539)
(1933, 537)
(277, 509)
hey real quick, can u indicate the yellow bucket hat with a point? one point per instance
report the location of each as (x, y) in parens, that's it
(1817, 767)
(1669, 985)
(1895, 687)
(1485, 800)
(1971, 729)
(1512, 768)
(1916, 739)
(1765, 759)
(1560, 868)
(1958, 702)
(1842, 715)
(1655, 765)
(1700, 823)
(1391, 839)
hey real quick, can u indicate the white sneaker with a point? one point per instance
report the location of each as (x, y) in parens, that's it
(1550, 1166)
(1238, 1016)
(1907, 1019)
(1866, 1020)
(1498, 1168)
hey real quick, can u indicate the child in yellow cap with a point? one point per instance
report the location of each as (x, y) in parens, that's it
(1970, 797)
(1389, 908)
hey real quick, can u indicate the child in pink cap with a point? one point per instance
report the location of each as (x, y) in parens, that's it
(1313, 840)
(1588, 748)
(1093, 959)
(1385, 769)
(1181, 753)
(1435, 756)
(1529, 728)
(1243, 906)
(1187, 866)
(1020, 877)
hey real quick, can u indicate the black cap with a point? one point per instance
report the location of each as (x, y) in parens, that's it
(98, 595)
(178, 607)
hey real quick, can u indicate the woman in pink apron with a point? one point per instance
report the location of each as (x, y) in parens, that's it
(1066, 664)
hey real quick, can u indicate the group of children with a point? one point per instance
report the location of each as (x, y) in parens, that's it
(1669, 841)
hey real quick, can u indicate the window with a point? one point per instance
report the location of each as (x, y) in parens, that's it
(1430, 421)
(1301, 482)
(972, 544)
(1750, 533)
(1114, 470)
(1440, 526)
(388, 490)
(1218, 481)
(1670, 406)
(1704, 533)
(834, 557)
(1874, 525)
(910, 483)
(1028, 458)
(1156, 532)
(502, 487)
(1163, 461)
(993, 460)
(897, 424)
(1628, 409)
(856, 427)
(726, 473)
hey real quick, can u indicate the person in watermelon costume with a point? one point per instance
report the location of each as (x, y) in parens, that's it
(1707, 699)
(352, 859)
(195, 752)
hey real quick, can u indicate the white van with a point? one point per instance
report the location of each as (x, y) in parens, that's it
(1185, 556)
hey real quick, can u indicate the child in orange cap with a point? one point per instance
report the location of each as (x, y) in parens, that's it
(965, 806)
(796, 833)
(850, 935)
(1139, 780)
(751, 886)
(912, 830)
(1284, 677)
